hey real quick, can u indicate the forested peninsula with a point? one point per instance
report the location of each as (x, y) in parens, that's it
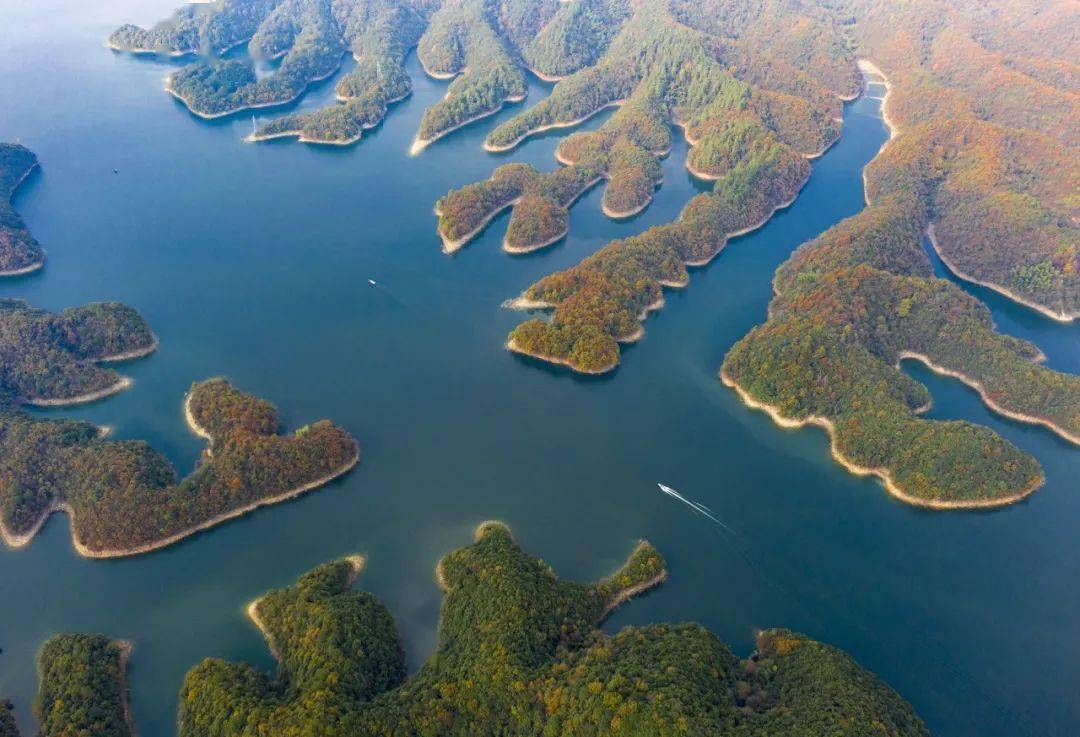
(485, 46)
(20, 253)
(756, 102)
(123, 497)
(519, 653)
(853, 303)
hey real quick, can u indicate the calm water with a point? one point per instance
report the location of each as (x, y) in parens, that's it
(253, 262)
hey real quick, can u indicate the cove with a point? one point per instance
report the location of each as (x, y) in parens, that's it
(252, 261)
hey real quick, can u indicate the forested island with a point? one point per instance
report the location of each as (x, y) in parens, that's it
(854, 302)
(20, 253)
(123, 497)
(54, 359)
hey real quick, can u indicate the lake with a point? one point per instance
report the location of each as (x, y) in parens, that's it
(253, 261)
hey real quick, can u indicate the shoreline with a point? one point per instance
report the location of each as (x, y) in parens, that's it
(630, 592)
(530, 247)
(37, 265)
(143, 51)
(125, 382)
(125, 647)
(869, 68)
(16, 541)
(1062, 317)
(453, 246)
(549, 78)
(513, 347)
(881, 473)
(503, 148)
(132, 354)
(419, 144)
(252, 609)
(749, 228)
(196, 428)
(214, 116)
(626, 214)
(523, 303)
(302, 138)
(980, 389)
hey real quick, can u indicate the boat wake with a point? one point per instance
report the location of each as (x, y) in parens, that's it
(699, 508)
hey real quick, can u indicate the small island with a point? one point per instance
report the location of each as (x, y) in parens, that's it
(519, 648)
(49, 359)
(20, 253)
(123, 497)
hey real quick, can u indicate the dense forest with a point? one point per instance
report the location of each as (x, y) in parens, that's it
(541, 203)
(519, 653)
(854, 302)
(83, 689)
(307, 39)
(752, 116)
(19, 251)
(48, 358)
(486, 45)
(123, 496)
(987, 104)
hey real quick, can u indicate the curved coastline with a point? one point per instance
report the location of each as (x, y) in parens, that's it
(881, 473)
(258, 106)
(124, 382)
(87, 552)
(16, 541)
(133, 354)
(503, 148)
(523, 303)
(1063, 317)
(36, 266)
(530, 247)
(252, 609)
(452, 246)
(39, 264)
(869, 67)
(302, 138)
(419, 144)
(980, 389)
(195, 427)
(513, 347)
(630, 592)
(143, 51)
